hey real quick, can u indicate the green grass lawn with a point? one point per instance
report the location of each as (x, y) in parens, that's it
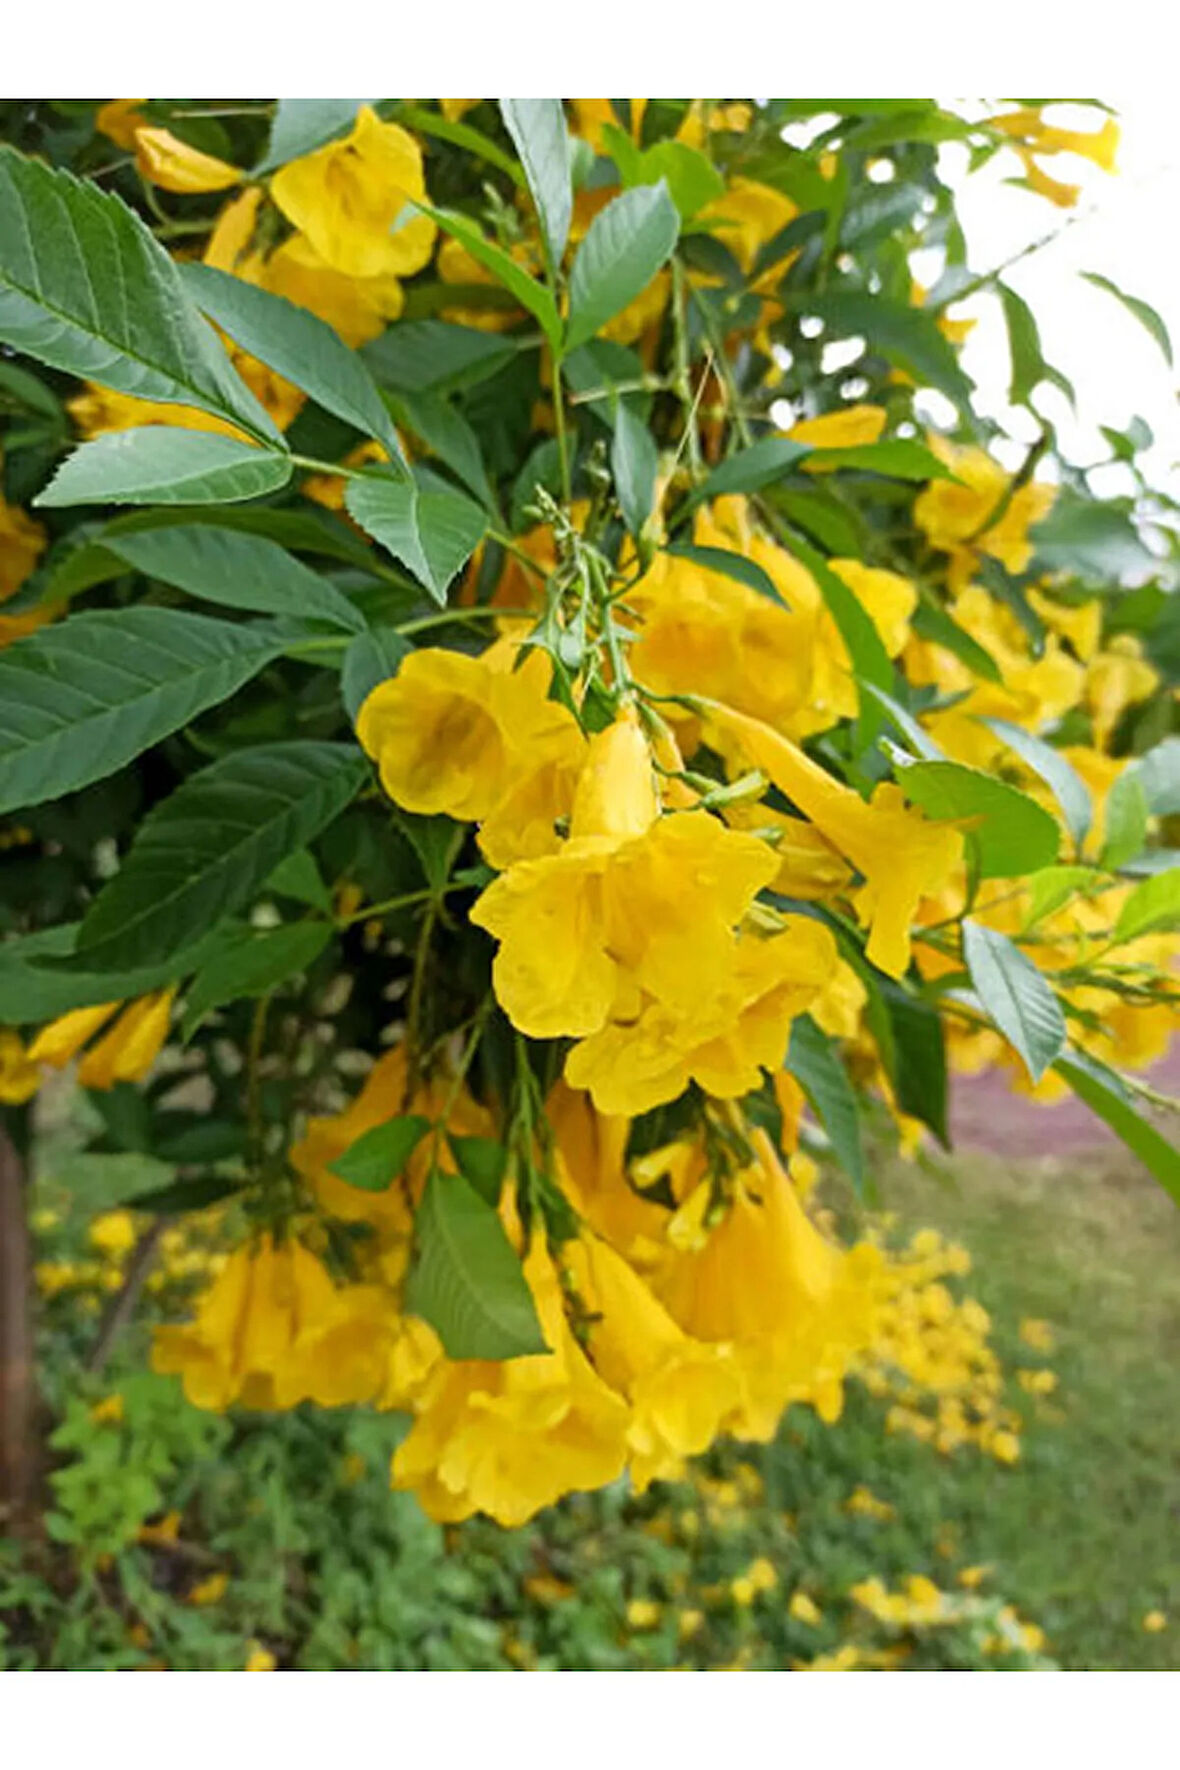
(1085, 1532)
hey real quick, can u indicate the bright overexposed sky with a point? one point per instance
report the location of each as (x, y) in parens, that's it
(1124, 227)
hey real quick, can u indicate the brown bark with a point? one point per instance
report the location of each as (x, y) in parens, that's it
(17, 1398)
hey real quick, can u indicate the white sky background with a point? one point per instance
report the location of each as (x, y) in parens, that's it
(1126, 229)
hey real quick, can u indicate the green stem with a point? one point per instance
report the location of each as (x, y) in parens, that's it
(559, 430)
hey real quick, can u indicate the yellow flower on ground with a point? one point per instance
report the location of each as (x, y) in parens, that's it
(163, 159)
(109, 1411)
(862, 1503)
(1038, 1334)
(209, 1591)
(804, 1609)
(643, 1613)
(347, 197)
(113, 1233)
(1154, 1622)
(260, 1659)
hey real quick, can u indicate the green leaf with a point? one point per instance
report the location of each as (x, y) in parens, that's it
(1097, 541)
(1015, 996)
(86, 288)
(933, 622)
(448, 435)
(371, 658)
(297, 345)
(433, 534)
(1012, 834)
(920, 741)
(195, 1194)
(634, 462)
(158, 465)
(896, 459)
(538, 131)
(1056, 770)
(466, 1280)
(483, 1162)
(919, 1071)
(237, 570)
(1125, 826)
(419, 356)
(1159, 775)
(531, 294)
(299, 877)
(693, 181)
(906, 336)
(203, 853)
(1152, 905)
(84, 698)
(750, 469)
(813, 1061)
(1054, 886)
(303, 124)
(1147, 316)
(731, 565)
(252, 962)
(41, 978)
(1103, 1092)
(625, 245)
(378, 1155)
(1024, 345)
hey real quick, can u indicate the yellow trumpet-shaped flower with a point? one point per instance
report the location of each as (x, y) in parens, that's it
(347, 197)
(901, 855)
(124, 1054)
(163, 159)
(850, 428)
(584, 930)
(680, 1391)
(22, 542)
(480, 741)
(119, 119)
(19, 1076)
(956, 515)
(273, 1330)
(509, 1437)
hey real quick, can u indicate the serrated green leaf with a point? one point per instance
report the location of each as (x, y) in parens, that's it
(1052, 887)
(303, 124)
(421, 356)
(203, 853)
(236, 570)
(466, 1280)
(1011, 833)
(731, 565)
(634, 463)
(1057, 772)
(813, 1061)
(373, 1162)
(1015, 997)
(252, 962)
(625, 245)
(155, 464)
(297, 345)
(447, 434)
(1103, 1092)
(433, 534)
(84, 698)
(86, 288)
(531, 294)
(538, 131)
(1125, 823)
(1148, 318)
(1153, 905)
(692, 179)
